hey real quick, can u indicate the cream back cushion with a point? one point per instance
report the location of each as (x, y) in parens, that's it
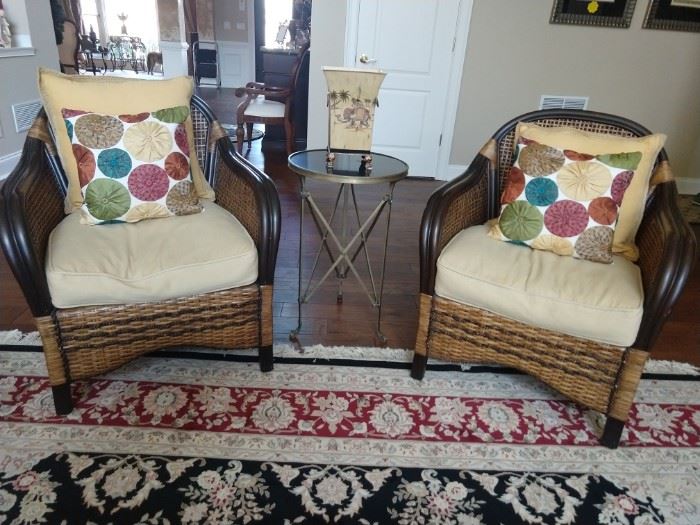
(632, 207)
(113, 96)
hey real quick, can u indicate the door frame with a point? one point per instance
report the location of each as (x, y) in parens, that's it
(454, 82)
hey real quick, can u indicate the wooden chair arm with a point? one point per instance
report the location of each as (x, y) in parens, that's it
(253, 89)
(31, 206)
(251, 196)
(458, 204)
(667, 254)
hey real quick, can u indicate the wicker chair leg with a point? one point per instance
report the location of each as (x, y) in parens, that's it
(419, 364)
(612, 432)
(62, 399)
(265, 356)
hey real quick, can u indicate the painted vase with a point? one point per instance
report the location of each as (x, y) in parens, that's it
(352, 100)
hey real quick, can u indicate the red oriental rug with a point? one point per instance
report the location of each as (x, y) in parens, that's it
(336, 435)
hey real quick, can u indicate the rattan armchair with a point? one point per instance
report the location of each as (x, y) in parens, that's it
(598, 376)
(86, 341)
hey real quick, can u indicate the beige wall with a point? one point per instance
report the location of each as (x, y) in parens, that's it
(18, 74)
(169, 21)
(205, 19)
(227, 14)
(514, 55)
(327, 49)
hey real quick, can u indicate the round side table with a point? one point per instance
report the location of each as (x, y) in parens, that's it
(344, 246)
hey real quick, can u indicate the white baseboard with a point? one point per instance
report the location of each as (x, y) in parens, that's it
(688, 186)
(455, 170)
(8, 163)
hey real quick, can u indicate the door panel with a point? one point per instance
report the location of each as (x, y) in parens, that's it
(406, 48)
(408, 106)
(412, 41)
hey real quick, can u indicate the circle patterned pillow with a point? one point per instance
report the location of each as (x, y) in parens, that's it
(132, 167)
(564, 201)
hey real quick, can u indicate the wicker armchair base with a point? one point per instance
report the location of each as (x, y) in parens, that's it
(596, 375)
(84, 342)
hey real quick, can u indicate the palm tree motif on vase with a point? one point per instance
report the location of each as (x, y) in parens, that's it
(353, 111)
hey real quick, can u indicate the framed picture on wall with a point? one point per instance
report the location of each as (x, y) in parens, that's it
(605, 13)
(679, 15)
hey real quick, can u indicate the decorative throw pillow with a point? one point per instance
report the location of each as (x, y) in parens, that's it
(631, 210)
(112, 96)
(564, 201)
(132, 167)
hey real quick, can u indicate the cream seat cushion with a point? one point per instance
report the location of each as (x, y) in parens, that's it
(585, 299)
(150, 260)
(261, 107)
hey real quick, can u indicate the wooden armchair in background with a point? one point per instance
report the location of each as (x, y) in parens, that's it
(269, 105)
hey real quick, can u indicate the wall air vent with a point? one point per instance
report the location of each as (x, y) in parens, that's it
(25, 113)
(563, 102)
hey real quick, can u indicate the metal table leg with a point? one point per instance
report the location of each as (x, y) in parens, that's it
(294, 334)
(344, 262)
(390, 198)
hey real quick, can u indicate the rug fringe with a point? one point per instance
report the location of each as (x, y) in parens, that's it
(653, 366)
(658, 366)
(16, 337)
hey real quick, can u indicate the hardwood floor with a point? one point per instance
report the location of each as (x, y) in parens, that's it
(353, 322)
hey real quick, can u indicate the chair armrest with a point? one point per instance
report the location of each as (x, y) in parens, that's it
(458, 204)
(30, 208)
(251, 196)
(667, 253)
(257, 88)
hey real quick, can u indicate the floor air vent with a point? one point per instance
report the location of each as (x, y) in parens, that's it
(563, 102)
(25, 113)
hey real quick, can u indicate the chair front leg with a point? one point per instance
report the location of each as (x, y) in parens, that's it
(265, 355)
(62, 399)
(420, 356)
(240, 133)
(289, 135)
(612, 432)
(622, 397)
(266, 358)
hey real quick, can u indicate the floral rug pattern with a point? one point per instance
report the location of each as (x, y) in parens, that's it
(111, 488)
(200, 438)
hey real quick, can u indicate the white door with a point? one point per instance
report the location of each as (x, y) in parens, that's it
(413, 41)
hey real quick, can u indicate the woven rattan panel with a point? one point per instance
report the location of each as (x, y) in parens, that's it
(582, 370)
(47, 211)
(469, 209)
(650, 240)
(505, 146)
(201, 136)
(98, 339)
(235, 194)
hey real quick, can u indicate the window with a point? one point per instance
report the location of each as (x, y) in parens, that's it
(276, 12)
(91, 17)
(141, 21)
